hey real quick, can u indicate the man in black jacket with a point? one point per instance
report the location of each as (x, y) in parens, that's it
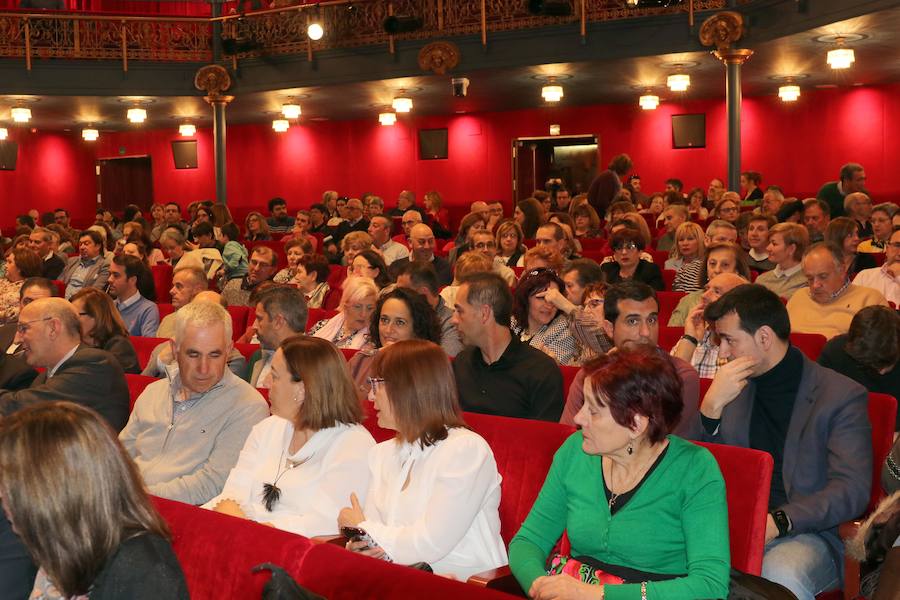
(40, 241)
(15, 373)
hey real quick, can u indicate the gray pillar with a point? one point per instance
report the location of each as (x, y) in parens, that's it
(218, 105)
(733, 109)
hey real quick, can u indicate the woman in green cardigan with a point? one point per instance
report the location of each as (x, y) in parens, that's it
(645, 512)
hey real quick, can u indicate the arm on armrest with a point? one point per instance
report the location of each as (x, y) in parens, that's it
(497, 579)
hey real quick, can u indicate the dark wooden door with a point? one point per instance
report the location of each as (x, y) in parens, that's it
(125, 181)
(535, 160)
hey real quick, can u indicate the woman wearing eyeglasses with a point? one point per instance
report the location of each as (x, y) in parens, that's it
(627, 246)
(434, 495)
(728, 208)
(299, 465)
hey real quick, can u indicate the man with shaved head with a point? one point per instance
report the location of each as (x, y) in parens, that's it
(421, 242)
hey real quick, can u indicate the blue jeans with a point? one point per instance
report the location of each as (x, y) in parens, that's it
(802, 563)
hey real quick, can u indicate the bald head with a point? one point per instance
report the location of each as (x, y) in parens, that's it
(421, 242)
(48, 329)
(481, 209)
(211, 297)
(720, 285)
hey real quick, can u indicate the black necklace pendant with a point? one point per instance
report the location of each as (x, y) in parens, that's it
(271, 495)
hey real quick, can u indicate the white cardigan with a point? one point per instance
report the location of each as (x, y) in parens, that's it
(448, 515)
(313, 493)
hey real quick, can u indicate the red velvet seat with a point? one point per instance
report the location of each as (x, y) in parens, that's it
(165, 309)
(241, 318)
(247, 350)
(162, 281)
(144, 346)
(136, 385)
(318, 314)
(348, 352)
(667, 303)
(659, 257)
(336, 276)
(60, 288)
(668, 336)
(810, 344)
(568, 374)
(332, 300)
(669, 278)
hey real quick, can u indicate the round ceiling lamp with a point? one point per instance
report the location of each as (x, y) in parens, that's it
(291, 111)
(187, 129)
(20, 114)
(90, 134)
(552, 92)
(789, 93)
(678, 82)
(137, 115)
(841, 58)
(315, 31)
(281, 125)
(648, 101)
(387, 118)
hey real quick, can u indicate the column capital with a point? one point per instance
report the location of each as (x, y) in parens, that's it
(733, 56)
(219, 99)
(214, 80)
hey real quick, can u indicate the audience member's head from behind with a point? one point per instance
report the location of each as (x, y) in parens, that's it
(632, 401)
(483, 308)
(422, 278)
(577, 275)
(471, 262)
(187, 282)
(403, 314)
(414, 392)
(631, 315)
(279, 313)
(873, 339)
(543, 257)
(100, 320)
(201, 345)
(530, 309)
(35, 288)
(22, 264)
(129, 275)
(310, 386)
(826, 273)
(72, 530)
(752, 322)
(48, 329)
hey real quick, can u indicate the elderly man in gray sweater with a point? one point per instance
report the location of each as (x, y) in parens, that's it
(186, 431)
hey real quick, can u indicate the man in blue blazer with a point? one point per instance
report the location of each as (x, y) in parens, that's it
(812, 420)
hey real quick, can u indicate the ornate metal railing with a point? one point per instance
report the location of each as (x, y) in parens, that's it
(283, 30)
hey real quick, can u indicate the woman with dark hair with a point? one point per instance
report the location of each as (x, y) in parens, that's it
(434, 495)
(312, 279)
(298, 466)
(78, 503)
(587, 222)
(529, 216)
(728, 208)
(538, 322)
(843, 233)
(399, 315)
(627, 246)
(510, 246)
(869, 352)
(102, 327)
(20, 265)
(750, 181)
(470, 223)
(369, 263)
(644, 511)
(294, 251)
(696, 199)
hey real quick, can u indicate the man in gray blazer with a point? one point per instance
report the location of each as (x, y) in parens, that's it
(90, 269)
(812, 420)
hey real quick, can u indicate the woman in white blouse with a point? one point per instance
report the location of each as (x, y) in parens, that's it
(350, 327)
(298, 466)
(434, 495)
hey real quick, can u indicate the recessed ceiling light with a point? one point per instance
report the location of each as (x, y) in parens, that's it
(137, 115)
(649, 101)
(90, 134)
(402, 103)
(789, 93)
(291, 110)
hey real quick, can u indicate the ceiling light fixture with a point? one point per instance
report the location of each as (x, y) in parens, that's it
(789, 93)
(20, 114)
(187, 129)
(137, 115)
(840, 57)
(387, 118)
(90, 134)
(648, 101)
(402, 103)
(552, 92)
(3, 133)
(291, 110)
(281, 125)
(314, 29)
(678, 82)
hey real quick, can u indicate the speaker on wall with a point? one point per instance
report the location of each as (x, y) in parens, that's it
(8, 152)
(184, 153)
(689, 131)
(432, 144)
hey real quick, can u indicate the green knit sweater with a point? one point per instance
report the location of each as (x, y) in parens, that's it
(676, 523)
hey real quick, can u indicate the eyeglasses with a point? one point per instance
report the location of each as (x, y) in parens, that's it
(728, 209)
(625, 246)
(408, 222)
(375, 383)
(23, 327)
(594, 303)
(894, 245)
(485, 245)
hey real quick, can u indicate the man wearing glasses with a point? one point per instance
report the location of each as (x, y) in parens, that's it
(483, 241)
(261, 268)
(15, 374)
(886, 278)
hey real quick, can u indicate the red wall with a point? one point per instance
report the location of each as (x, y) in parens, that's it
(798, 146)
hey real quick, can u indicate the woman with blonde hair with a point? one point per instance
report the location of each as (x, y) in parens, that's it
(353, 243)
(298, 465)
(102, 327)
(434, 495)
(350, 327)
(79, 505)
(256, 229)
(687, 257)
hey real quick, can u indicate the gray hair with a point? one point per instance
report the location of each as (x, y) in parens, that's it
(196, 275)
(888, 208)
(287, 302)
(837, 255)
(173, 234)
(46, 234)
(357, 288)
(719, 224)
(201, 314)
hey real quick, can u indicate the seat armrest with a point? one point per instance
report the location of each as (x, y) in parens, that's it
(336, 540)
(852, 575)
(500, 579)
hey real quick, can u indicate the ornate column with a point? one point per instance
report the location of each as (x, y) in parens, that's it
(722, 30)
(214, 80)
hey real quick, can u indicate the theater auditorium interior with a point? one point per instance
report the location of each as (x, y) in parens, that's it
(450, 299)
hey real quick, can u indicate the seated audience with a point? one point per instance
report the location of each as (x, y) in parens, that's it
(15, 374)
(758, 240)
(369, 263)
(528, 215)
(498, 374)
(187, 282)
(687, 257)
(401, 314)
(869, 352)
(380, 230)
(280, 313)
(261, 268)
(495, 214)
(298, 466)
(885, 278)
(538, 322)
(471, 262)
(672, 217)
(728, 209)
(280, 222)
(62, 465)
(812, 421)
(627, 246)
(350, 327)
(772, 202)
(312, 279)
(787, 243)
(353, 210)
(542, 257)
(408, 220)
(421, 241)
(438, 218)
(844, 235)
(631, 320)
(161, 434)
(420, 277)
(510, 244)
(720, 232)
(352, 244)
(720, 258)
(816, 216)
(90, 268)
(470, 224)
(256, 228)
(234, 253)
(858, 208)
(621, 482)
(20, 265)
(174, 244)
(882, 228)
(587, 222)
(49, 335)
(131, 284)
(830, 302)
(696, 209)
(485, 243)
(448, 512)
(102, 327)
(40, 241)
(294, 250)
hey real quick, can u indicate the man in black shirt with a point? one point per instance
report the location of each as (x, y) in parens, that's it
(812, 421)
(497, 374)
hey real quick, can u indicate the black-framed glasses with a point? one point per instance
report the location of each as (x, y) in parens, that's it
(625, 246)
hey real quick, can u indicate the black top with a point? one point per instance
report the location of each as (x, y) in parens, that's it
(646, 272)
(863, 260)
(143, 568)
(773, 404)
(440, 264)
(122, 350)
(53, 267)
(622, 499)
(834, 356)
(755, 196)
(524, 382)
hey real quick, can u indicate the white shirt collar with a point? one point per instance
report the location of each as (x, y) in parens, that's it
(122, 304)
(758, 256)
(779, 272)
(52, 372)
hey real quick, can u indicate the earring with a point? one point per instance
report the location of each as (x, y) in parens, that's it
(630, 448)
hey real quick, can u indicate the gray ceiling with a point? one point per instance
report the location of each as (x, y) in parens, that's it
(619, 81)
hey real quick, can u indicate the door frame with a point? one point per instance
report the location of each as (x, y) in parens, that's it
(514, 154)
(118, 157)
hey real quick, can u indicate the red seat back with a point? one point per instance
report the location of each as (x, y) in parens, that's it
(162, 281)
(882, 415)
(241, 318)
(332, 299)
(810, 344)
(165, 309)
(667, 303)
(336, 276)
(659, 257)
(247, 350)
(60, 288)
(668, 336)
(318, 314)
(348, 352)
(143, 347)
(136, 385)
(669, 278)
(568, 374)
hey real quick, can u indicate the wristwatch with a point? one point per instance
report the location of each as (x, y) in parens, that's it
(782, 522)
(691, 339)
